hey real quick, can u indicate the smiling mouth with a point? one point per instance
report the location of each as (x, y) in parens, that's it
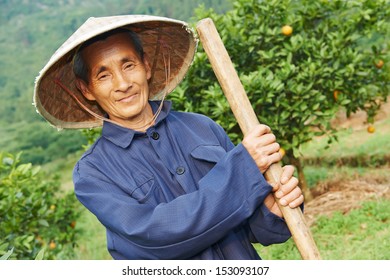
(127, 99)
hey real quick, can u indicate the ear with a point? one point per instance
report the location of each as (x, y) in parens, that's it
(147, 67)
(83, 87)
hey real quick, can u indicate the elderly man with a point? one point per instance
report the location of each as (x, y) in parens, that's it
(165, 184)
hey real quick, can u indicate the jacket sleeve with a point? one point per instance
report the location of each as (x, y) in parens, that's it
(268, 228)
(189, 223)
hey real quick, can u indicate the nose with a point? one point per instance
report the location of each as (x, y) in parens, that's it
(122, 82)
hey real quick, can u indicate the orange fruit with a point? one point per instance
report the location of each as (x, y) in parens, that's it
(52, 245)
(379, 64)
(336, 94)
(282, 152)
(287, 30)
(73, 224)
(371, 128)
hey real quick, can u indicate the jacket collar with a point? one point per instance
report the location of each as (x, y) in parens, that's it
(122, 136)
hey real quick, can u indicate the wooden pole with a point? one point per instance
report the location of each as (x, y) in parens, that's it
(247, 119)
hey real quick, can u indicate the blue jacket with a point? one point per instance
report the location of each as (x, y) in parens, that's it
(181, 190)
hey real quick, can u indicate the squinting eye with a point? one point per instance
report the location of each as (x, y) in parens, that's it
(129, 66)
(102, 77)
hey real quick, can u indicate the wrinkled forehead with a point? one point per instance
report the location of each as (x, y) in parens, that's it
(117, 46)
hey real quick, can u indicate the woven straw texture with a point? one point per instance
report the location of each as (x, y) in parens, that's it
(169, 44)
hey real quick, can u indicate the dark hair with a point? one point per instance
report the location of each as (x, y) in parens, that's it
(81, 70)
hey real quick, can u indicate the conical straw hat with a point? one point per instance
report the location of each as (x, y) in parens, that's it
(165, 41)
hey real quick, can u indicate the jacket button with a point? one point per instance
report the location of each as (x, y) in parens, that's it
(155, 135)
(180, 170)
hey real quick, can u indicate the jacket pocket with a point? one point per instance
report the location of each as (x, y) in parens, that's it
(209, 153)
(205, 157)
(144, 189)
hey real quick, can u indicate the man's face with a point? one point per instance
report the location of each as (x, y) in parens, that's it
(118, 78)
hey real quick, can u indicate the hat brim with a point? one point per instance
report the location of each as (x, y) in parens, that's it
(163, 40)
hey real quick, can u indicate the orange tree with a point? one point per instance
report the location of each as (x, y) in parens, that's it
(35, 217)
(300, 62)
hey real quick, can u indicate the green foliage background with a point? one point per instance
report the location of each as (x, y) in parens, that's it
(291, 80)
(34, 215)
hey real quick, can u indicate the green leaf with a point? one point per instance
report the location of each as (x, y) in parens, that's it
(35, 170)
(7, 255)
(43, 223)
(24, 168)
(40, 254)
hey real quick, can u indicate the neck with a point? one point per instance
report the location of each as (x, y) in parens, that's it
(140, 122)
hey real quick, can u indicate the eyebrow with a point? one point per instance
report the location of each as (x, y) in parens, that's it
(104, 68)
(101, 69)
(126, 59)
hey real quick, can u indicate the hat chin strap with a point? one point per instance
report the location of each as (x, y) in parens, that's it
(97, 116)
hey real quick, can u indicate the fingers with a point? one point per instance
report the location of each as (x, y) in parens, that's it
(295, 201)
(260, 129)
(290, 193)
(266, 156)
(271, 148)
(286, 188)
(262, 146)
(261, 136)
(287, 173)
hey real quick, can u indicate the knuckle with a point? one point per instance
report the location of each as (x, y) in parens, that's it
(272, 137)
(275, 186)
(260, 128)
(263, 126)
(264, 129)
(297, 191)
(263, 162)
